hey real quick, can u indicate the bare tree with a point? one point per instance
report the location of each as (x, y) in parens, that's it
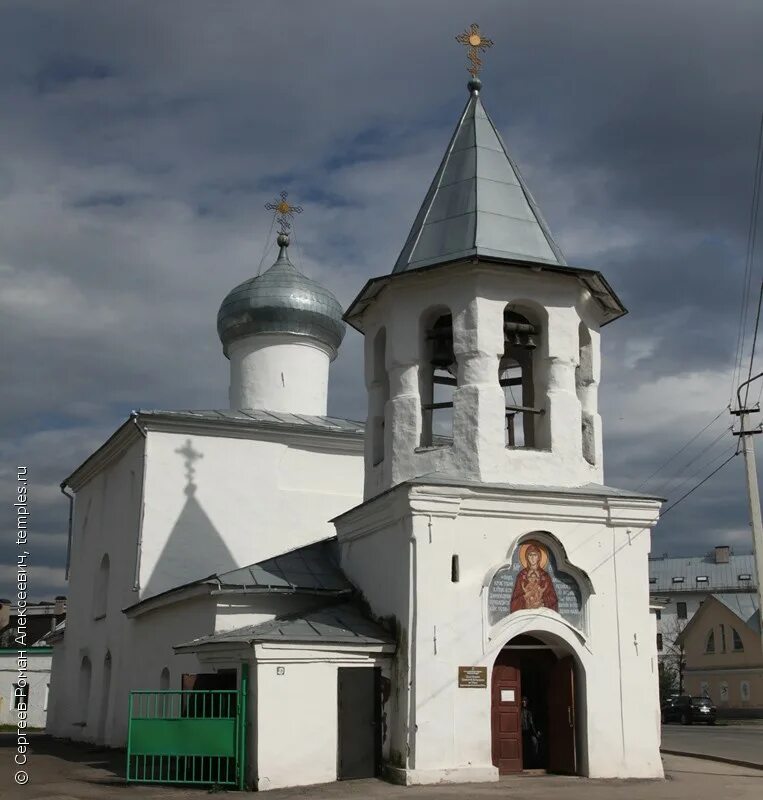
(674, 653)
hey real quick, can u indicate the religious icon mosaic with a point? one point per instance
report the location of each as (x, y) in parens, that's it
(533, 580)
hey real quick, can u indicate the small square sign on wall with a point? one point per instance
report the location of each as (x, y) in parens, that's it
(472, 677)
(280, 670)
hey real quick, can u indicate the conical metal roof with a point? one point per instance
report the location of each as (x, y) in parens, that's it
(478, 203)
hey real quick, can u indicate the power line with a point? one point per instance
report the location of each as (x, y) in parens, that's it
(700, 469)
(681, 450)
(694, 489)
(754, 341)
(749, 256)
(694, 459)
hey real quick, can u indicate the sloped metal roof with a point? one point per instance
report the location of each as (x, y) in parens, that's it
(720, 577)
(478, 204)
(744, 605)
(587, 489)
(254, 416)
(314, 567)
(338, 624)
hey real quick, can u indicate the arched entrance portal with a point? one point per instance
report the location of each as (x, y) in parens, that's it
(533, 707)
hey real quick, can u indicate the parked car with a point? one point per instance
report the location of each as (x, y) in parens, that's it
(686, 709)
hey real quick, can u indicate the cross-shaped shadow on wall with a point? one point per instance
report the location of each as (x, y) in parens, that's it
(194, 549)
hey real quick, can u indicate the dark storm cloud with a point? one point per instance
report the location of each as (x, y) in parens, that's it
(141, 140)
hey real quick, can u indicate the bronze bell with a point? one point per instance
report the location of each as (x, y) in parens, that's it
(531, 343)
(442, 350)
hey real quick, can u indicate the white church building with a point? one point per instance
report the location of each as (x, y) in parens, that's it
(447, 593)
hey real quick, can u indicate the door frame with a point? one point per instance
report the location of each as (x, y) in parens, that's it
(377, 721)
(561, 647)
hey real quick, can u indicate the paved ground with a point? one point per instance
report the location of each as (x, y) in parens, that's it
(742, 742)
(61, 771)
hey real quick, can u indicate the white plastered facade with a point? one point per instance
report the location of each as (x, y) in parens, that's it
(476, 297)
(253, 494)
(399, 545)
(37, 675)
(281, 371)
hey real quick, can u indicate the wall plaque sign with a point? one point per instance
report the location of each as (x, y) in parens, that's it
(472, 677)
(532, 580)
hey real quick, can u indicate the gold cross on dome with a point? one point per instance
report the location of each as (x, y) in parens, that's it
(284, 212)
(475, 43)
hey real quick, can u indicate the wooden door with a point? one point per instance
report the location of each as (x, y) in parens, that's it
(359, 723)
(561, 717)
(506, 704)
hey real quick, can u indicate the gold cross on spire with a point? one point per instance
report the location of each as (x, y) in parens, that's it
(284, 212)
(476, 44)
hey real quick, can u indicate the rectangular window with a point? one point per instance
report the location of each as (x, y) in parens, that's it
(659, 642)
(678, 580)
(21, 696)
(681, 610)
(658, 614)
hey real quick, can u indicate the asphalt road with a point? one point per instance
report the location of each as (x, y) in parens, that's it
(741, 742)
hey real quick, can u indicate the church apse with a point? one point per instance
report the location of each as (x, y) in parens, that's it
(194, 548)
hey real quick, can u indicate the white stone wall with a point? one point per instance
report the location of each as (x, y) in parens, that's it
(279, 372)
(476, 297)
(296, 738)
(445, 732)
(38, 678)
(106, 520)
(251, 499)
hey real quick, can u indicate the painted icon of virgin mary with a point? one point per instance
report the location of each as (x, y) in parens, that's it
(533, 587)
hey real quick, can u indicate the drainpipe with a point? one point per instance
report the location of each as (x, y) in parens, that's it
(70, 498)
(134, 416)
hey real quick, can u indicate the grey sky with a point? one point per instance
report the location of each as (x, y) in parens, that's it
(140, 141)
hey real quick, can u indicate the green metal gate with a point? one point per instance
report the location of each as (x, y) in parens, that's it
(189, 736)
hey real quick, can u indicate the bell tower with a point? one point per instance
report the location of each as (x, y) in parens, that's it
(482, 345)
(486, 527)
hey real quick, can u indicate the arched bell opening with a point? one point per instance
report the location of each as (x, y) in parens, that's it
(438, 377)
(516, 376)
(538, 706)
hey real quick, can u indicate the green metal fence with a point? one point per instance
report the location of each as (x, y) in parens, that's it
(189, 736)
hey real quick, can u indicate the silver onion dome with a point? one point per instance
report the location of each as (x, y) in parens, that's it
(281, 300)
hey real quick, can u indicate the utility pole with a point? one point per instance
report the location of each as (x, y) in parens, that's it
(745, 433)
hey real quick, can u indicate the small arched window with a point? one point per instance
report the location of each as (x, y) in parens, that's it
(438, 377)
(516, 377)
(85, 678)
(101, 589)
(737, 644)
(164, 679)
(380, 396)
(710, 642)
